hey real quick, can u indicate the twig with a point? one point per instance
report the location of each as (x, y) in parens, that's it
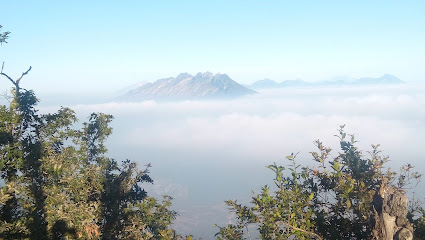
(247, 230)
(6, 96)
(301, 230)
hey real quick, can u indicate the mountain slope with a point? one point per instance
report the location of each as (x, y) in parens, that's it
(186, 86)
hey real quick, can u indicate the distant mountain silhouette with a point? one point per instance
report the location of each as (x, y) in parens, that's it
(385, 79)
(185, 86)
(265, 83)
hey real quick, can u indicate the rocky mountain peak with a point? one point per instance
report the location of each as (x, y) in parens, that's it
(182, 76)
(186, 86)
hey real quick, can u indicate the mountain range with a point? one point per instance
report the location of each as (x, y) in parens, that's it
(209, 86)
(267, 83)
(185, 86)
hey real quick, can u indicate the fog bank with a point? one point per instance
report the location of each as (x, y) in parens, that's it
(204, 152)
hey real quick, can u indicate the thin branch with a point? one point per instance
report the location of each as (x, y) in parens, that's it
(6, 97)
(301, 230)
(247, 230)
(4, 74)
(23, 74)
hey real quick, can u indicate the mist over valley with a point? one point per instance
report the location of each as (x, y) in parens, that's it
(206, 151)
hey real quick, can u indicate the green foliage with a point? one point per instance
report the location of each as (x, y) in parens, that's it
(59, 184)
(416, 216)
(344, 189)
(283, 214)
(3, 36)
(332, 200)
(230, 232)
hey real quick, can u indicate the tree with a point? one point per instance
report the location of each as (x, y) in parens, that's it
(58, 183)
(335, 200)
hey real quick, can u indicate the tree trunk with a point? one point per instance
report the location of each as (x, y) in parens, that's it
(390, 209)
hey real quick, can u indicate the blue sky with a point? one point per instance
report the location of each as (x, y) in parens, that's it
(86, 46)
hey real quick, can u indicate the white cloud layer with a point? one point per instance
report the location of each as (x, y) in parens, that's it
(209, 151)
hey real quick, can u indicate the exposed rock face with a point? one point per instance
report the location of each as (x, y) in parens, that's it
(185, 86)
(390, 210)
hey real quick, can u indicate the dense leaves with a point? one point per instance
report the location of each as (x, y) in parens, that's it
(57, 183)
(331, 200)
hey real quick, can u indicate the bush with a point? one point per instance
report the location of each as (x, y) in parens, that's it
(330, 201)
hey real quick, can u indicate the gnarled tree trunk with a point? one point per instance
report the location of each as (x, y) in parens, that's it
(390, 210)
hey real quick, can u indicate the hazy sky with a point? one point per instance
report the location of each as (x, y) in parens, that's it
(204, 152)
(82, 46)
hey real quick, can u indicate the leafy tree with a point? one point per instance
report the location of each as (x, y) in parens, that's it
(330, 201)
(57, 182)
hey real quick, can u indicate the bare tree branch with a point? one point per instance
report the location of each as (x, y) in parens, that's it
(23, 74)
(4, 74)
(18, 80)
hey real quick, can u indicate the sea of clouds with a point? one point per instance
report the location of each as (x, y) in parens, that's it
(205, 152)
